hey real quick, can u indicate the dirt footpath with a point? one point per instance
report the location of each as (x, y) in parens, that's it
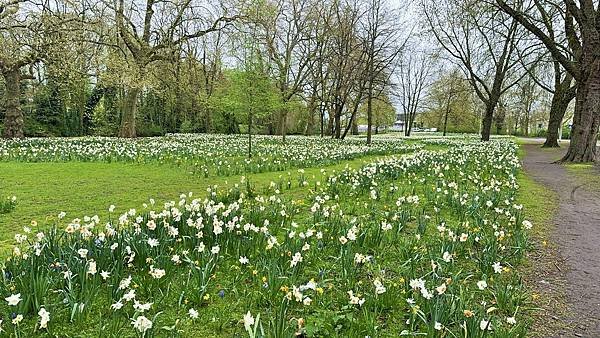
(577, 237)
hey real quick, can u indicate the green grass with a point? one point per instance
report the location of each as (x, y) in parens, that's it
(85, 188)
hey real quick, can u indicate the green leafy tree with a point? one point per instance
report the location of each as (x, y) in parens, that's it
(450, 105)
(249, 94)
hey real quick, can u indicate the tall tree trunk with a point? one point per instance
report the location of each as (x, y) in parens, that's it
(353, 115)
(332, 111)
(13, 119)
(338, 122)
(586, 119)
(322, 117)
(408, 124)
(369, 113)
(446, 121)
(558, 108)
(349, 125)
(446, 115)
(312, 111)
(500, 119)
(486, 124)
(129, 113)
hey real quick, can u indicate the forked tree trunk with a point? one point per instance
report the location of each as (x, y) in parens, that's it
(129, 114)
(13, 119)
(586, 119)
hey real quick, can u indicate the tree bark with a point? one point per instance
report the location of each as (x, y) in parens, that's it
(408, 124)
(446, 114)
(312, 111)
(349, 125)
(129, 114)
(322, 117)
(338, 122)
(586, 119)
(488, 118)
(500, 120)
(369, 114)
(560, 102)
(13, 119)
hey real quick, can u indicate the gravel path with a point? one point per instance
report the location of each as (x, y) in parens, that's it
(577, 236)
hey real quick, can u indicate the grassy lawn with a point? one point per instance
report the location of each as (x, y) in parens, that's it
(424, 246)
(87, 188)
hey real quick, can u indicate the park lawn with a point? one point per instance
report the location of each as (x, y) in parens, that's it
(88, 188)
(131, 185)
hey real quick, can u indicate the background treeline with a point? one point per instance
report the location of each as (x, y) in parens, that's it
(148, 67)
(143, 68)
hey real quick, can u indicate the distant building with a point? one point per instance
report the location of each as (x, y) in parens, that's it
(398, 126)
